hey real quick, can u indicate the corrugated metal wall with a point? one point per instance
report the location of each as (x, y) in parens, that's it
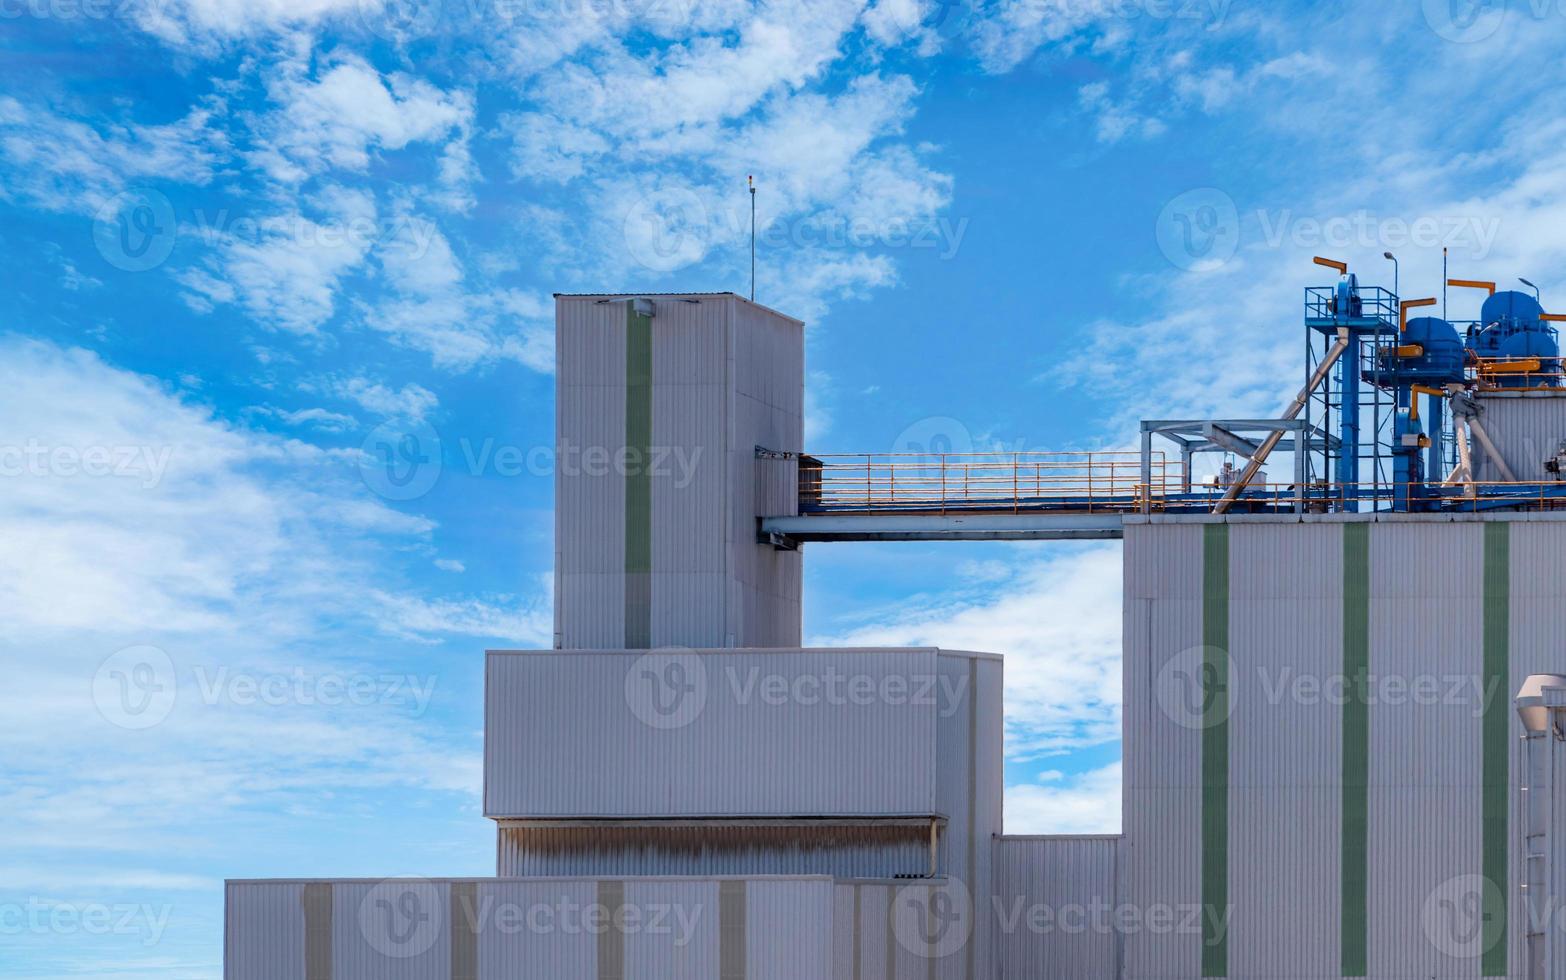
(1053, 913)
(1318, 827)
(734, 752)
(669, 557)
(486, 929)
(1527, 428)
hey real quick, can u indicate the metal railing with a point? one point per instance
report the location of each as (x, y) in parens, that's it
(1087, 483)
(1515, 373)
(987, 482)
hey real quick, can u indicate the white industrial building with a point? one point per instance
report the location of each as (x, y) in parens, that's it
(1324, 774)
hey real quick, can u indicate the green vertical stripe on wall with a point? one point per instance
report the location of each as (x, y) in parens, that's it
(1497, 709)
(638, 479)
(1356, 749)
(1215, 750)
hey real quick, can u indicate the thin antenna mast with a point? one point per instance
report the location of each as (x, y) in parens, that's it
(750, 179)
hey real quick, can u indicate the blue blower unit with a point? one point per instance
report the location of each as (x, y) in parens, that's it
(1510, 327)
(1442, 360)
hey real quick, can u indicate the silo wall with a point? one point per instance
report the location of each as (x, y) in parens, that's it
(1320, 751)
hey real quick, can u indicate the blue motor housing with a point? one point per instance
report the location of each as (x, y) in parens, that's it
(1511, 326)
(1442, 361)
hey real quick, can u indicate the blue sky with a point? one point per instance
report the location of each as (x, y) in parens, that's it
(1021, 224)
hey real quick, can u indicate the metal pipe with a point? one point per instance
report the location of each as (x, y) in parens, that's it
(1294, 409)
(1489, 447)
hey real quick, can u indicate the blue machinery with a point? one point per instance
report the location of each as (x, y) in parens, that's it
(1356, 432)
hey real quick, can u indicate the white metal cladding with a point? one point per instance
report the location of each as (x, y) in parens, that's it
(1526, 428)
(1286, 752)
(590, 390)
(1162, 756)
(727, 376)
(844, 851)
(1285, 835)
(970, 782)
(1053, 913)
(264, 931)
(570, 734)
(667, 927)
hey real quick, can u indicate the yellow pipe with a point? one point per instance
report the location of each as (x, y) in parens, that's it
(1413, 408)
(1509, 367)
(1553, 317)
(1473, 284)
(1342, 267)
(1409, 304)
(1409, 350)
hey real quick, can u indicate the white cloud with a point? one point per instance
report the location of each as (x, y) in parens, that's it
(412, 401)
(285, 269)
(1056, 621)
(61, 164)
(350, 111)
(1085, 803)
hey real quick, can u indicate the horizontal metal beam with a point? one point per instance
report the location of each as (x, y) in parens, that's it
(937, 527)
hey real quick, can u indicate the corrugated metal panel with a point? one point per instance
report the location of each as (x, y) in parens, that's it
(866, 851)
(264, 932)
(1286, 753)
(1527, 429)
(737, 741)
(1162, 748)
(1290, 865)
(1053, 913)
(726, 376)
(540, 928)
(590, 356)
